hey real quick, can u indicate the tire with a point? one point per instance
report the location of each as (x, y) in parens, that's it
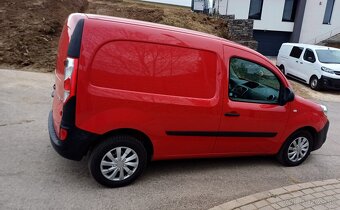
(286, 154)
(314, 83)
(282, 69)
(106, 165)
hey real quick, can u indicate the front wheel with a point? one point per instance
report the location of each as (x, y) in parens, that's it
(118, 161)
(296, 149)
(314, 83)
(282, 69)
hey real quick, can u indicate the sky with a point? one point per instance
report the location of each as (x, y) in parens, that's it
(176, 2)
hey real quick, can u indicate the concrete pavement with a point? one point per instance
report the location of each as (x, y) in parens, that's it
(316, 195)
(34, 176)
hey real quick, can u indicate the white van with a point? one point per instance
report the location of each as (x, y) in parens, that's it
(318, 66)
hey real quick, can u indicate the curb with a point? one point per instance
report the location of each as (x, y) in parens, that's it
(272, 194)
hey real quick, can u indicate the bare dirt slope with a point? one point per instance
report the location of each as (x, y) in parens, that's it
(30, 29)
(159, 13)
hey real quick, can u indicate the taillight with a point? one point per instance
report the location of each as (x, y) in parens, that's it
(70, 79)
(63, 134)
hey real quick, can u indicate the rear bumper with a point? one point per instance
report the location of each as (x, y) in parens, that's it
(330, 83)
(321, 137)
(75, 146)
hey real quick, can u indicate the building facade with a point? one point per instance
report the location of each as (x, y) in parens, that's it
(279, 21)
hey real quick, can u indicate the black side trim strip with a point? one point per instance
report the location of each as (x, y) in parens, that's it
(75, 43)
(221, 133)
(295, 77)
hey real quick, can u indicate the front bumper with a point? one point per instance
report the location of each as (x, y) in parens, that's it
(330, 83)
(75, 146)
(321, 137)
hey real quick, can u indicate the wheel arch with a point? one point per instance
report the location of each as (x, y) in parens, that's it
(309, 129)
(318, 81)
(141, 136)
(282, 154)
(314, 75)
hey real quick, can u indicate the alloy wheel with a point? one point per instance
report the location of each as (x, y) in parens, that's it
(314, 83)
(298, 149)
(119, 163)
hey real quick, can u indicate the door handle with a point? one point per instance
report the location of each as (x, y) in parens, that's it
(301, 62)
(232, 114)
(297, 61)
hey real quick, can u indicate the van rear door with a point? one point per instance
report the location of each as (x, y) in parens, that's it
(66, 57)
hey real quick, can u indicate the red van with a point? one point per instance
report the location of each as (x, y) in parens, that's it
(128, 92)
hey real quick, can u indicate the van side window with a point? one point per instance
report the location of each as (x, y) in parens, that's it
(309, 56)
(155, 69)
(296, 52)
(251, 82)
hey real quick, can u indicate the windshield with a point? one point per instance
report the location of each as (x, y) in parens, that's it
(328, 56)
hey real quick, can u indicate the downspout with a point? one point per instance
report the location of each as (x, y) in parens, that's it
(299, 15)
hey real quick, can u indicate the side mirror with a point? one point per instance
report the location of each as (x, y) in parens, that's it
(288, 96)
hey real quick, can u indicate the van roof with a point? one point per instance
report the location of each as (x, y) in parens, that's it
(152, 25)
(171, 28)
(311, 46)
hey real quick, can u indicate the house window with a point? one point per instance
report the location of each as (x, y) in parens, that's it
(255, 9)
(328, 12)
(289, 10)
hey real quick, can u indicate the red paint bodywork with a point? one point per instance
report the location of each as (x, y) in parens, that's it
(171, 94)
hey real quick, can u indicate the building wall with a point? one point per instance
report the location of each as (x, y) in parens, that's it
(238, 8)
(271, 18)
(184, 3)
(313, 31)
(198, 5)
(235, 7)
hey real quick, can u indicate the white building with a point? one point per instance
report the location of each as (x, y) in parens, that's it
(278, 21)
(183, 3)
(202, 5)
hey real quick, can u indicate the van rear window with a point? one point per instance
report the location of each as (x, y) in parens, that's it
(296, 52)
(155, 68)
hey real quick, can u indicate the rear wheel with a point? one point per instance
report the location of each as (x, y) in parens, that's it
(296, 149)
(314, 83)
(118, 161)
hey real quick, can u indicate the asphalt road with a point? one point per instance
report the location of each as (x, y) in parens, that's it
(34, 176)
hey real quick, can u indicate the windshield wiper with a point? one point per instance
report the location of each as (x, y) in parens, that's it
(331, 62)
